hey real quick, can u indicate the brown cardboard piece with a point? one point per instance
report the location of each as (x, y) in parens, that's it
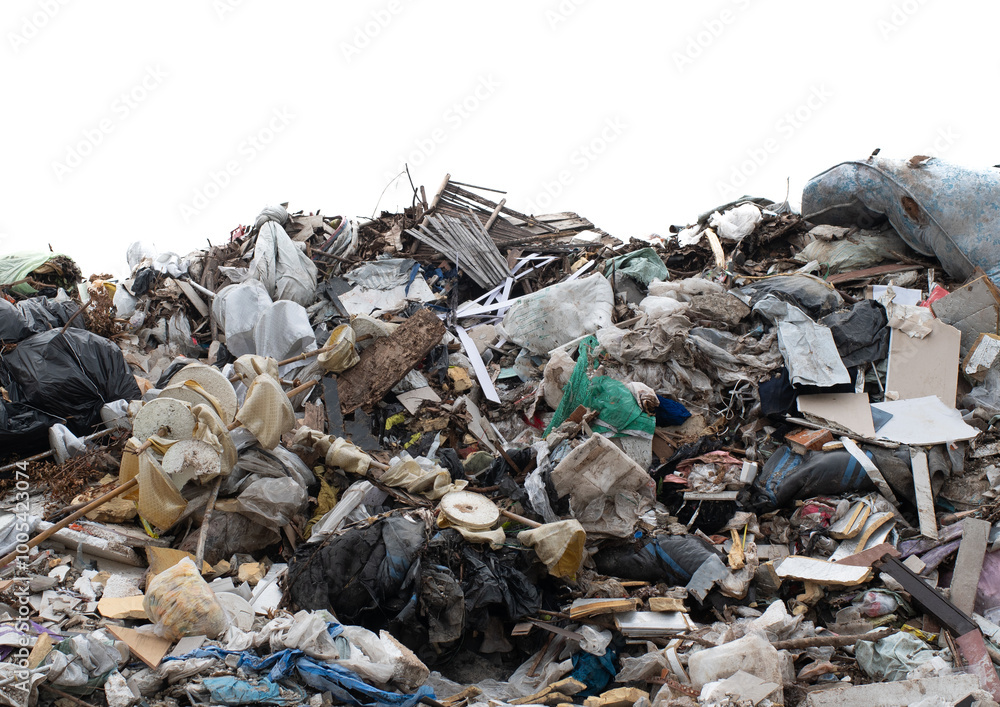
(922, 367)
(850, 411)
(147, 647)
(122, 607)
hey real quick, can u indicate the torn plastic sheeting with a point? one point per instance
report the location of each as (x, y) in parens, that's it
(273, 502)
(809, 350)
(938, 208)
(384, 274)
(856, 252)
(17, 266)
(237, 309)
(618, 412)
(283, 331)
(608, 491)
(788, 477)
(891, 658)
(232, 691)
(170, 263)
(643, 266)
(736, 223)
(861, 333)
(813, 296)
(70, 375)
(558, 314)
(286, 272)
(491, 579)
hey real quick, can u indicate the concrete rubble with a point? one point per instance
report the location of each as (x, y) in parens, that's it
(467, 456)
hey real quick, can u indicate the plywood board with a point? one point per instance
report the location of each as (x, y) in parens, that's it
(928, 366)
(850, 411)
(388, 360)
(822, 572)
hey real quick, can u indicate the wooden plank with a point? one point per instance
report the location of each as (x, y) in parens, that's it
(925, 497)
(869, 556)
(969, 564)
(871, 272)
(388, 360)
(192, 295)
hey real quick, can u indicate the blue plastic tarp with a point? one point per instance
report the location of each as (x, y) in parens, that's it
(345, 685)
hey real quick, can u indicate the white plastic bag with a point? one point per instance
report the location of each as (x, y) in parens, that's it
(286, 272)
(558, 314)
(736, 223)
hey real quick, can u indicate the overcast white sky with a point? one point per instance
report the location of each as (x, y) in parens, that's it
(173, 122)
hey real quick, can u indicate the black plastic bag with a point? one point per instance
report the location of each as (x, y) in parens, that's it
(788, 476)
(861, 333)
(668, 558)
(810, 294)
(364, 575)
(69, 375)
(492, 581)
(33, 316)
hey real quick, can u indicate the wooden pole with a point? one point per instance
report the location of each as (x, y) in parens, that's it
(96, 503)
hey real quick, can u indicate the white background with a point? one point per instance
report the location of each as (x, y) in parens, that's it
(127, 120)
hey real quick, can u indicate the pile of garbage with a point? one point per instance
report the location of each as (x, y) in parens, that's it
(462, 455)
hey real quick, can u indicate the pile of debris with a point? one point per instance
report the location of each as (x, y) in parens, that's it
(462, 455)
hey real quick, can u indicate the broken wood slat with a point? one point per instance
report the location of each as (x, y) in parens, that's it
(924, 494)
(969, 564)
(493, 216)
(388, 360)
(946, 613)
(866, 273)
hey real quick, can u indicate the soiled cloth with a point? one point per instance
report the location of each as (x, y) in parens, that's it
(337, 452)
(209, 428)
(421, 476)
(249, 366)
(267, 412)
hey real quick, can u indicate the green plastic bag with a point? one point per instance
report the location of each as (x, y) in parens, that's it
(643, 266)
(618, 412)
